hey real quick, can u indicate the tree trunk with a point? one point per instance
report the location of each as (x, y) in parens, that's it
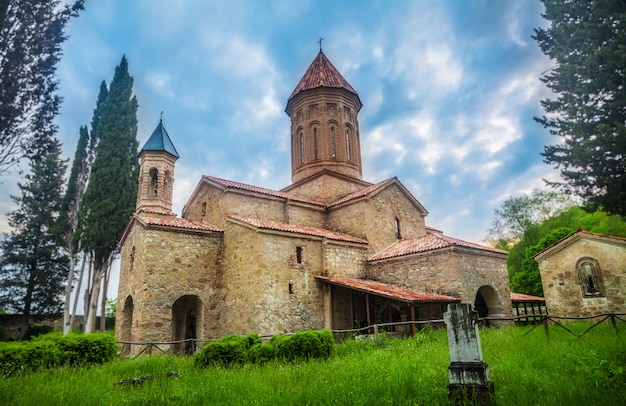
(105, 288)
(99, 268)
(67, 320)
(28, 299)
(78, 287)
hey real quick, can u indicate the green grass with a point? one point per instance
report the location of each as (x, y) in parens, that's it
(526, 370)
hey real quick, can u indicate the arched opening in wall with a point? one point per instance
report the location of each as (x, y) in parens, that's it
(167, 179)
(154, 182)
(127, 324)
(487, 301)
(186, 323)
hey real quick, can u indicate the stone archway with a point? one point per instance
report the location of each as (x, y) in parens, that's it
(127, 324)
(487, 301)
(186, 323)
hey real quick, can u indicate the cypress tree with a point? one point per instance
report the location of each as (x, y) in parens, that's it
(33, 265)
(111, 195)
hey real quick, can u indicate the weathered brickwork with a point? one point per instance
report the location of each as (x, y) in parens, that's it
(267, 291)
(159, 267)
(563, 285)
(456, 272)
(326, 188)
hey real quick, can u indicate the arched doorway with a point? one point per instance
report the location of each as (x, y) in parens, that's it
(127, 324)
(487, 301)
(186, 323)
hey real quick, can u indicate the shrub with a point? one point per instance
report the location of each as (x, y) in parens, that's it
(230, 350)
(35, 331)
(236, 350)
(55, 350)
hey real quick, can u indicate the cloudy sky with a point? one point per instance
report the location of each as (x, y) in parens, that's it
(449, 90)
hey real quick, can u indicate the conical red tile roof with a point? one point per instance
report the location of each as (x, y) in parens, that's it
(322, 73)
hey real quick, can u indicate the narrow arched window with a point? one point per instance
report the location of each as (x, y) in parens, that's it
(315, 142)
(398, 233)
(348, 149)
(589, 277)
(333, 151)
(301, 139)
(154, 182)
(166, 184)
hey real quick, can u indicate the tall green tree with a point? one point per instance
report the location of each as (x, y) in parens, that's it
(70, 208)
(31, 35)
(586, 39)
(33, 265)
(111, 195)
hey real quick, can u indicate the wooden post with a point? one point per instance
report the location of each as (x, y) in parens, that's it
(413, 318)
(614, 323)
(367, 312)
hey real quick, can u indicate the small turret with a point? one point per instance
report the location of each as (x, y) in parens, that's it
(157, 160)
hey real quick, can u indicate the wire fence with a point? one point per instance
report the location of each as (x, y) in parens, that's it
(191, 345)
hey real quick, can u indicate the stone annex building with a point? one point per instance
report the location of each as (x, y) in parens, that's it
(584, 275)
(330, 250)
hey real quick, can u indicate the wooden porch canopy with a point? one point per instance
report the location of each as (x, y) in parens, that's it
(389, 291)
(522, 302)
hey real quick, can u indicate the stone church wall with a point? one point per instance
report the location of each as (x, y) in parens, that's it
(326, 188)
(268, 292)
(375, 219)
(459, 273)
(167, 266)
(562, 287)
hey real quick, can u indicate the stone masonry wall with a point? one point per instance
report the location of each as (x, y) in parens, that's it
(166, 267)
(326, 188)
(459, 273)
(375, 219)
(267, 291)
(561, 285)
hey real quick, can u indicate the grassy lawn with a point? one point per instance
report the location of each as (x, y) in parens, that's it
(526, 370)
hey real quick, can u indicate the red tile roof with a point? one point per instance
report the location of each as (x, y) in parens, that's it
(321, 73)
(257, 189)
(389, 291)
(292, 228)
(522, 298)
(176, 222)
(426, 243)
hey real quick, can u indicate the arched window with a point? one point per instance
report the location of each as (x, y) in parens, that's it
(154, 182)
(301, 140)
(348, 147)
(333, 150)
(589, 277)
(166, 184)
(315, 143)
(398, 233)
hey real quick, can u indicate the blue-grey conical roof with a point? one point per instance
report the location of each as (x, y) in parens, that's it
(160, 141)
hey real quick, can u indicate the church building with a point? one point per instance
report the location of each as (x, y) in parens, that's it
(330, 250)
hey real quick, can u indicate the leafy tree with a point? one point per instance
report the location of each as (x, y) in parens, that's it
(586, 40)
(33, 265)
(519, 217)
(528, 280)
(111, 195)
(31, 34)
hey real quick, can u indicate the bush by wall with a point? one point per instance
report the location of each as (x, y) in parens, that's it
(55, 350)
(236, 350)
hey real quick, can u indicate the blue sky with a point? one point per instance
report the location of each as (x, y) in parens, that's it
(449, 90)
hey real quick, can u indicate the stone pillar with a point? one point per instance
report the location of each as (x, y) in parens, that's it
(469, 374)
